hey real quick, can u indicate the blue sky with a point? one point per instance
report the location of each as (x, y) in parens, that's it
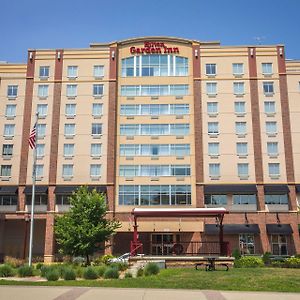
(75, 24)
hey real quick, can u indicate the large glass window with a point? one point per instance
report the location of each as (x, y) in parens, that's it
(211, 69)
(154, 90)
(12, 91)
(244, 199)
(154, 65)
(215, 199)
(8, 200)
(276, 199)
(279, 244)
(246, 244)
(38, 199)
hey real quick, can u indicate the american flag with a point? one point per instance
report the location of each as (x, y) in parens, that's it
(32, 137)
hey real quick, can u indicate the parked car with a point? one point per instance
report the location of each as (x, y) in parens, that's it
(123, 258)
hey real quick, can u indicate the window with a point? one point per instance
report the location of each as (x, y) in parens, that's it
(67, 170)
(211, 69)
(70, 110)
(244, 199)
(213, 149)
(98, 90)
(40, 150)
(267, 68)
(9, 130)
(179, 109)
(130, 110)
(154, 65)
(269, 107)
(129, 150)
(239, 107)
(180, 170)
(212, 108)
(39, 171)
(279, 244)
(274, 169)
(71, 90)
(271, 128)
(95, 170)
(95, 150)
(129, 171)
(8, 200)
(215, 199)
(154, 90)
(179, 129)
(62, 199)
(243, 170)
(268, 88)
(214, 170)
(10, 111)
(96, 129)
(242, 149)
(5, 170)
(180, 149)
(69, 129)
(12, 91)
(276, 199)
(41, 130)
(97, 109)
(38, 199)
(129, 129)
(272, 148)
(239, 88)
(42, 110)
(240, 128)
(44, 72)
(69, 150)
(211, 88)
(72, 71)
(43, 90)
(7, 150)
(246, 244)
(238, 69)
(213, 128)
(98, 71)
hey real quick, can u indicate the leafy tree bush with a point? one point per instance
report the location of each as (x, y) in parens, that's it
(90, 273)
(249, 262)
(6, 271)
(80, 231)
(52, 274)
(292, 262)
(277, 264)
(151, 269)
(13, 262)
(111, 273)
(39, 266)
(25, 271)
(120, 266)
(105, 258)
(140, 272)
(236, 253)
(101, 270)
(128, 275)
(69, 274)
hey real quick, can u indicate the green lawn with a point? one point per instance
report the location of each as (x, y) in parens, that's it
(256, 279)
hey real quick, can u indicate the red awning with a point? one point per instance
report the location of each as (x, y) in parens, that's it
(178, 212)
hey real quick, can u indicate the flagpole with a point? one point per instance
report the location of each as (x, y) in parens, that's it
(32, 197)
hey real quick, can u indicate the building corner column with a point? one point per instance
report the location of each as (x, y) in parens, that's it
(49, 239)
(260, 198)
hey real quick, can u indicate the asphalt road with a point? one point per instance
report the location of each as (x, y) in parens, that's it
(72, 293)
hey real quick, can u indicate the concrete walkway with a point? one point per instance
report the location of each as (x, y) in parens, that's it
(81, 293)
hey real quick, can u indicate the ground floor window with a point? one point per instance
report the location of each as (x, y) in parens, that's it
(38, 199)
(162, 244)
(62, 199)
(247, 244)
(279, 244)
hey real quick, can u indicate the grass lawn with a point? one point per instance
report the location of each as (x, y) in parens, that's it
(255, 279)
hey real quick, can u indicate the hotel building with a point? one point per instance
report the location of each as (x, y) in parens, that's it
(154, 122)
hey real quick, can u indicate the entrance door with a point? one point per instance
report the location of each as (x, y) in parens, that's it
(161, 244)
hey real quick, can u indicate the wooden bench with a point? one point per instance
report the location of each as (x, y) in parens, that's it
(210, 264)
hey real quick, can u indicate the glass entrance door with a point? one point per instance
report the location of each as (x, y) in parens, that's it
(162, 244)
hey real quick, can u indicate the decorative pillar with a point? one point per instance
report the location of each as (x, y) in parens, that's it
(49, 239)
(260, 197)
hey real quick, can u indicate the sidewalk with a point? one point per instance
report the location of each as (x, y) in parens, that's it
(80, 293)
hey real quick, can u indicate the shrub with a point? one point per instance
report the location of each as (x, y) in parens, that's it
(151, 269)
(52, 274)
(79, 271)
(120, 266)
(267, 258)
(90, 273)
(69, 274)
(236, 253)
(249, 262)
(292, 262)
(13, 262)
(101, 270)
(111, 273)
(6, 271)
(25, 271)
(140, 272)
(128, 275)
(105, 258)
(277, 264)
(39, 266)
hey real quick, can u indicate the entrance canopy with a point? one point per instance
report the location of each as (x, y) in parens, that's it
(179, 212)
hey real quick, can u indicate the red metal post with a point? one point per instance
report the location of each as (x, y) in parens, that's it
(221, 235)
(135, 232)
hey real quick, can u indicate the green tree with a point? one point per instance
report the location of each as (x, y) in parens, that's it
(80, 231)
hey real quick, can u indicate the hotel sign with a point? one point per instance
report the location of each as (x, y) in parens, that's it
(154, 48)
